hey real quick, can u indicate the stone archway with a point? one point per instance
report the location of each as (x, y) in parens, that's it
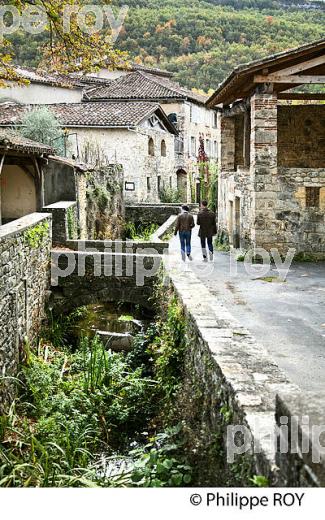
(182, 184)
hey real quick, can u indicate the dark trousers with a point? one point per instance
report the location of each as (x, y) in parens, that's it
(204, 241)
(185, 239)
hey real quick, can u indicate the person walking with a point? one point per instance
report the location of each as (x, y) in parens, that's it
(184, 225)
(206, 219)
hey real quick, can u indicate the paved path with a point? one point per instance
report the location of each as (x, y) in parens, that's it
(288, 318)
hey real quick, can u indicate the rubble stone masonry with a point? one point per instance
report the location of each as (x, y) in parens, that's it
(24, 281)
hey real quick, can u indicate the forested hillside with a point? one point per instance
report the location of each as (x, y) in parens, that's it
(202, 41)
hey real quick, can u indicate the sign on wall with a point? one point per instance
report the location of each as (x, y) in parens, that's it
(129, 186)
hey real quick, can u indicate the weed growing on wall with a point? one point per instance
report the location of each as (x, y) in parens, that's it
(140, 232)
(72, 224)
(35, 236)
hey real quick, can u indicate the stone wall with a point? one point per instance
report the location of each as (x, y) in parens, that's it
(81, 278)
(64, 221)
(101, 202)
(24, 284)
(116, 246)
(231, 380)
(59, 182)
(234, 185)
(303, 228)
(301, 136)
(304, 465)
(148, 214)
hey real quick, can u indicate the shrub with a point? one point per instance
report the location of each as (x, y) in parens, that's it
(42, 126)
(170, 195)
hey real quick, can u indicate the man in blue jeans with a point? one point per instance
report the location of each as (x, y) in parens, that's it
(184, 225)
(206, 219)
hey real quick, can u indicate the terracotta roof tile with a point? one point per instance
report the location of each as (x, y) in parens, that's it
(102, 114)
(10, 140)
(142, 86)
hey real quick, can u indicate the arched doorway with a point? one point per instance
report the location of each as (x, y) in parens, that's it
(18, 192)
(182, 184)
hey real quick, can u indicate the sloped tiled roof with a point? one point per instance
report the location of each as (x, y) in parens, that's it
(105, 114)
(52, 79)
(10, 140)
(142, 86)
(151, 70)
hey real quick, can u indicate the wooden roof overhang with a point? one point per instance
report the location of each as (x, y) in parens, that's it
(299, 66)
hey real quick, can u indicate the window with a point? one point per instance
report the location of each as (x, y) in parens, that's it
(179, 145)
(163, 148)
(170, 182)
(312, 197)
(151, 147)
(193, 146)
(159, 183)
(148, 184)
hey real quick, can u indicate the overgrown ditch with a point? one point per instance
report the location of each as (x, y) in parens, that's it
(87, 416)
(155, 415)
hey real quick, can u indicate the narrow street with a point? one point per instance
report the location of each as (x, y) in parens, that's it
(288, 318)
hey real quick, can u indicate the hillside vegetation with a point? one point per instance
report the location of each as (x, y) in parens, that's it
(202, 41)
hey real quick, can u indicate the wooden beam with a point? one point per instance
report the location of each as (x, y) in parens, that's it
(309, 64)
(39, 185)
(301, 95)
(299, 80)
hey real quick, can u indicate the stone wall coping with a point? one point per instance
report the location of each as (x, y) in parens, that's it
(21, 224)
(161, 205)
(163, 229)
(65, 252)
(62, 204)
(297, 406)
(123, 245)
(245, 366)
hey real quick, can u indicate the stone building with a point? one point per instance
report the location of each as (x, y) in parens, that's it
(184, 108)
(21, 175)
(272, 152)
(137, 135)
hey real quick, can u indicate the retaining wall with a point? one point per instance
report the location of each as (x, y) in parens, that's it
(82, 278)
(64, 221)
(24, 284)
(147, 214)
(230, 379)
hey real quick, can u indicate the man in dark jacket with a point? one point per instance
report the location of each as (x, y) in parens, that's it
(184, 225)
(206, 219)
